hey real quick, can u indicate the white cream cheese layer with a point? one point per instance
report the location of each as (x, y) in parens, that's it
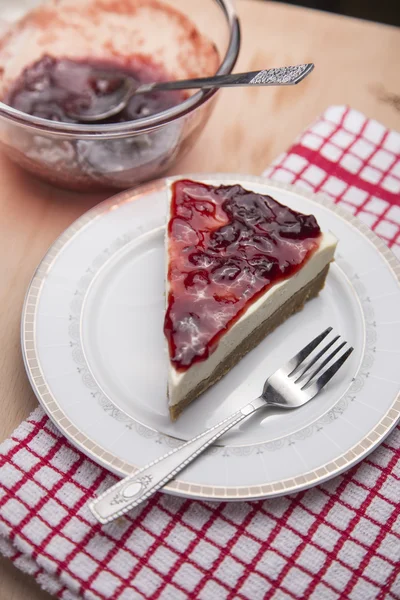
(180, 383)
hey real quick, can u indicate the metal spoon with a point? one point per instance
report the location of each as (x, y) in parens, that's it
(111, 104)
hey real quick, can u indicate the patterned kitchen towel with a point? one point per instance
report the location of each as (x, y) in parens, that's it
(353, 160)
(338, 540)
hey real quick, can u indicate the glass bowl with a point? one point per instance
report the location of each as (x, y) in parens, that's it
(118, 155)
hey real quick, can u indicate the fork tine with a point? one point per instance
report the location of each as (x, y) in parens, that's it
(324, 363)
(296, 361)
(313, 360)
(327, 375)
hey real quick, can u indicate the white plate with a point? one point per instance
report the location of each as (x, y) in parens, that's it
(95, 354)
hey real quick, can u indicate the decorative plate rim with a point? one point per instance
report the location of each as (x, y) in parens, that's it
(196, 491)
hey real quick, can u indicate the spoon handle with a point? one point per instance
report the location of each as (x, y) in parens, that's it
(280, 76)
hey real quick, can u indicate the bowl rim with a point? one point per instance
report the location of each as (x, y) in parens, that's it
(116, 130)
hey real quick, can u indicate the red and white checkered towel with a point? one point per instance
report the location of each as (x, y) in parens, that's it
(339, 540)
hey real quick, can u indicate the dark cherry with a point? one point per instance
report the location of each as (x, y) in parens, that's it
(227, 246)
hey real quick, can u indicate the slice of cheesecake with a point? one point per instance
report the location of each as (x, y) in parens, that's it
(238, 264)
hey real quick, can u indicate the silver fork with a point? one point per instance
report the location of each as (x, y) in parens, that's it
(291, 386)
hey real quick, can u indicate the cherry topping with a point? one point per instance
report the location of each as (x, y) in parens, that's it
(226, 247)
(52, 88)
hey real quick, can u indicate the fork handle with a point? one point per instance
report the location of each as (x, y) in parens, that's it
(135, 489)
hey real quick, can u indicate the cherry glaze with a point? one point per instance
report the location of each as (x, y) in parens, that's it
(50, 88)
(226, 247)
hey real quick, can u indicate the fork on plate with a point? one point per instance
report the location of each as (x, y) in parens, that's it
(291, 386)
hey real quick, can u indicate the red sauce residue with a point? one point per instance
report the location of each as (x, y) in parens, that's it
(51, 88)
(226, 247)
(74, 25)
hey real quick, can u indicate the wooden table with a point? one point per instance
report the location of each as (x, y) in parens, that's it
(247, 130)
